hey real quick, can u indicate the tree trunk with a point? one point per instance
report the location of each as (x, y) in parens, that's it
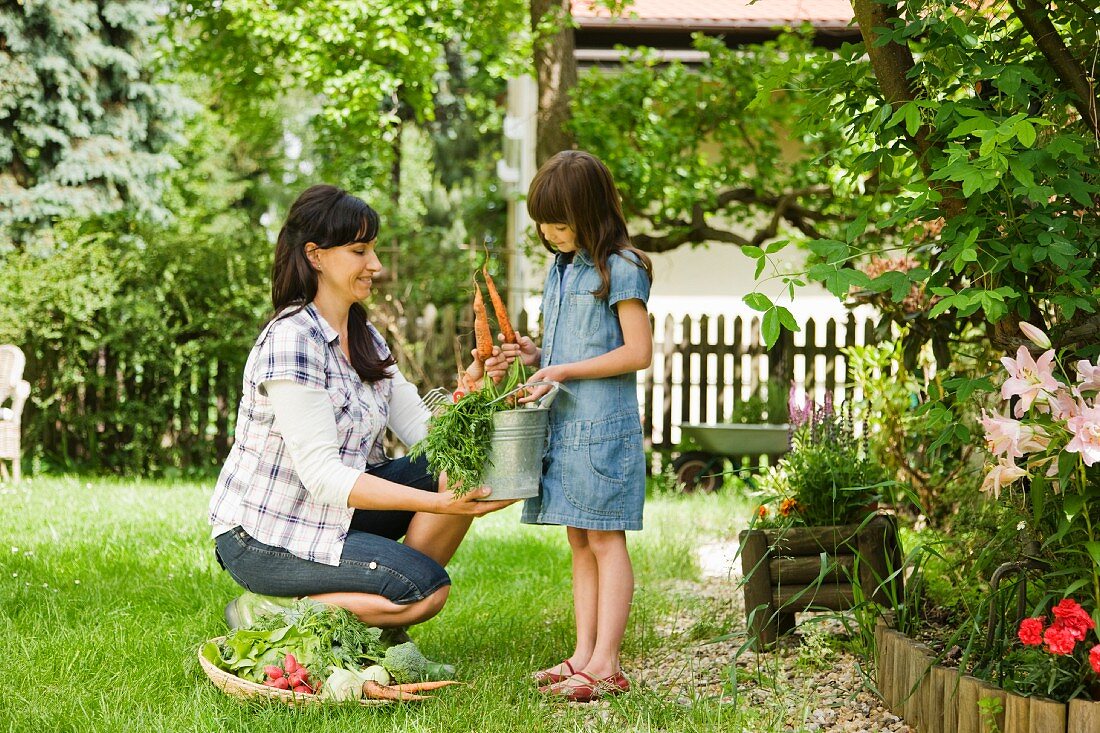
(892, 63)
(556, 69)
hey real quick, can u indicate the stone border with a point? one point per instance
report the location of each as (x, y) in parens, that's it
(937, 699)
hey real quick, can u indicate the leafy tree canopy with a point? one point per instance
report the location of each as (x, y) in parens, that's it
(945, 169)
(367, 67)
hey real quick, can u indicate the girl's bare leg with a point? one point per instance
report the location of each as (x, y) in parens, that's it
(615, 584)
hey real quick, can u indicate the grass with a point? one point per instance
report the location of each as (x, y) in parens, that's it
(108, 587)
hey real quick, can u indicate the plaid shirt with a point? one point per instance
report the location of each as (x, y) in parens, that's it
(258, 487)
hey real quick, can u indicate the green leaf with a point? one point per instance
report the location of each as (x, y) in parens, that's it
(1025, 133)
(830, 250)
(786, 319)
(752, 251)
(1093, 548)
(912, 118)
(769, 329)
(758, 301)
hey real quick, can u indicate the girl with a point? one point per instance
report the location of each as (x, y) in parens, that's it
(596, 335)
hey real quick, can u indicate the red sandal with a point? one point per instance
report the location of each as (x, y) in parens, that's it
(583, 687)
(550, 677)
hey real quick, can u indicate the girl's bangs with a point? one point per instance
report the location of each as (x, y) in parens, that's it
(547, 203)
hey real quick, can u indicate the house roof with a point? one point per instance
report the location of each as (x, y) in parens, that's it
(714, 15)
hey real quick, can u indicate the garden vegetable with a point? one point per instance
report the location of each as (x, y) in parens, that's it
(458, 441)
(377, 673)
(483, 335)
(406, 663)
(423, 686)
(342, 685)
(499, 308)
(376, 691)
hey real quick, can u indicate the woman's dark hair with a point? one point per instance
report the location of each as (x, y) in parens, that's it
(329, 217)
(576, 188)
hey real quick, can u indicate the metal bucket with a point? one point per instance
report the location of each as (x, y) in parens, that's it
(515, 455)
(514, 468)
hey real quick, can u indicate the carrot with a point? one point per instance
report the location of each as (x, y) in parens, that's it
(482, 333)
(375, 691)
(499, 309)
(424, 686)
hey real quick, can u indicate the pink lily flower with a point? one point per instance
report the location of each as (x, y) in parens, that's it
(1035, 335)
(1063, 405)
(1085, 427)
(1088, 375)
(1029, 379)
(1004, 473)
(1012, 438)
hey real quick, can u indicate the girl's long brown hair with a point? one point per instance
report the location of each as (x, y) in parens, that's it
(329, 217)
(576, 188)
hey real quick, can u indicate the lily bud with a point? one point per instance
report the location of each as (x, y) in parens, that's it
(1035, 335)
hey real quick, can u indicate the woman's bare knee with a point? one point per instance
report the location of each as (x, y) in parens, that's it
(425, 608)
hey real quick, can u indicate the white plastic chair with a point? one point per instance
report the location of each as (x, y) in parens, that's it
(14, 388)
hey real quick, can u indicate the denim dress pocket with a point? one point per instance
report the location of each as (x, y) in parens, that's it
(598, 476)
(586, 314)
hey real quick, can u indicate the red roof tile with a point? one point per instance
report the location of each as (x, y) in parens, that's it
(715, 14)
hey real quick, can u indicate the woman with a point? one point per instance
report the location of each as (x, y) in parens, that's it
(307, 503)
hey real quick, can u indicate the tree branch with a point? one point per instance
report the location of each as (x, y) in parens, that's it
(1037, 23)
(697, 231)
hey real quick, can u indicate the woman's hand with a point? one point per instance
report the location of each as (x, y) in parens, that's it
(496, 366)
(468, 504)
(557, 373)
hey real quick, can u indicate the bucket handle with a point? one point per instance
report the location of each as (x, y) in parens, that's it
(543, 401)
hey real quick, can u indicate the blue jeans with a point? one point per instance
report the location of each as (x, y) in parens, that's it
(371, 561)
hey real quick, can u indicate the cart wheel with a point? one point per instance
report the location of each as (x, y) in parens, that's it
(699, 472)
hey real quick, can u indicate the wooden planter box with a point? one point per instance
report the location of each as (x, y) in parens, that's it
(936, 699)
(783, 572)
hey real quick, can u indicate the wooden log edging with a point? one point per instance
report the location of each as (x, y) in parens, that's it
(937, 699)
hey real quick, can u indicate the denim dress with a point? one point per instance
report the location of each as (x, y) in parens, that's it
(593, 471)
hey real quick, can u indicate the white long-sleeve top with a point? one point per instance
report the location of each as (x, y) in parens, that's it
(304, 418)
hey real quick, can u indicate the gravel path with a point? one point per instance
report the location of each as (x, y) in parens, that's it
(808, 684)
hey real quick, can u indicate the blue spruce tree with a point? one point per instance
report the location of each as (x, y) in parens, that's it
(83, 123)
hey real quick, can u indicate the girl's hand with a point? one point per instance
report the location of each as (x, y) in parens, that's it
(556, 373)
(525, 349)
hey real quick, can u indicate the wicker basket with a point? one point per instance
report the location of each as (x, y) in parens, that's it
(243, 689)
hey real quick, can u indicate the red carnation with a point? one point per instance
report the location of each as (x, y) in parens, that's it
(1059, 639)
(1031, 631)
(1094, 658)
(1069, 614)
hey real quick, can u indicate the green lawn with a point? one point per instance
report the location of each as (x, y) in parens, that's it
(107, 587)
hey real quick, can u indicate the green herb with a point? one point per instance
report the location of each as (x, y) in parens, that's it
(458, 441)
(460, 435)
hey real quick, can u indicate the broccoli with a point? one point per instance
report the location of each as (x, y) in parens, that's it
(406, 664)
